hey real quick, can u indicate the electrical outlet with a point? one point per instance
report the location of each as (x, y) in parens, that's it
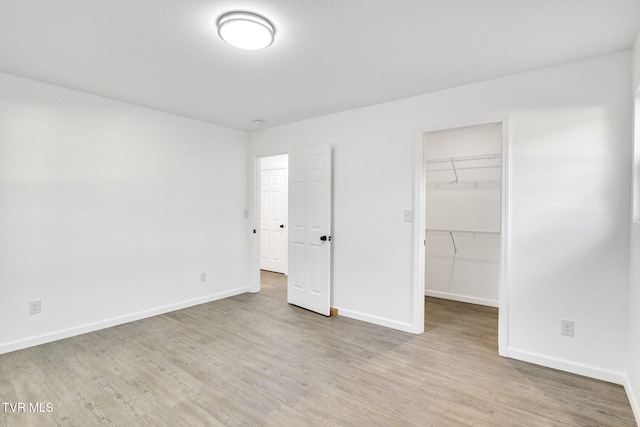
(203, 277)
(567, 327)
(35, 307)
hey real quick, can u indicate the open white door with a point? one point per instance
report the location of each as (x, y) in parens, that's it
(309, 281)
(273, 208)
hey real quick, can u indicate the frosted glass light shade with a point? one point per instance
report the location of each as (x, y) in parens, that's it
(246, 30)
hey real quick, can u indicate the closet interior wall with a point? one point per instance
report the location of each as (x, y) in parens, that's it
(463, 214)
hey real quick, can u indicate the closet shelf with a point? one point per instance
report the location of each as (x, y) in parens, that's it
(483, 161)
(462, 233)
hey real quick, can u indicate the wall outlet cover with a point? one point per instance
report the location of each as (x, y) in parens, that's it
(567, 327)
(35, 307)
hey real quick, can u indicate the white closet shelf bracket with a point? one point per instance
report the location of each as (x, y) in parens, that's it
(455, 172)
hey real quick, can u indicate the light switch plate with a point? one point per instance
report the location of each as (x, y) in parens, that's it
(408, 216)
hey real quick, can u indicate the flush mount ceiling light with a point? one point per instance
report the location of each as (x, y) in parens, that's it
(246, 30)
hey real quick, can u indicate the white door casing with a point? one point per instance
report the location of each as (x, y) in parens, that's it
(309, 281)
(273, 232)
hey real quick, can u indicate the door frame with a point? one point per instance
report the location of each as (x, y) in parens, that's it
(420, 221)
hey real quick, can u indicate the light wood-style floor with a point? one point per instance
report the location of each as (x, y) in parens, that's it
(255, 360)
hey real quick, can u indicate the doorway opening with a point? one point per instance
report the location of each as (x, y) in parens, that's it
(463, 216)
(273, 213)
(461, 213)
(302, 226)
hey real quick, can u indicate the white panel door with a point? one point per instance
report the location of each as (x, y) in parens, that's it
(273, 206)
(309, 281)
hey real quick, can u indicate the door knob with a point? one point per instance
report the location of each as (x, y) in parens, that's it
(281, 225)
(325, 238)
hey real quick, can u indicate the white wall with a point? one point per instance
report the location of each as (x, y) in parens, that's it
(569, 206)
(468, 268)
(633, 375)
(110, 212)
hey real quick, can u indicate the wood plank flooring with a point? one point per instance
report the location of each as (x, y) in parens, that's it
(255, 360)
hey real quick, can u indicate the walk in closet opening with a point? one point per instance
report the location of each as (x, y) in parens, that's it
(463, 220)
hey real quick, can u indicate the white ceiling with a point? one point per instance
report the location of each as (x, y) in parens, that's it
(328, 56)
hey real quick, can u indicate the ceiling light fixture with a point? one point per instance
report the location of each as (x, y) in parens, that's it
(246, 30)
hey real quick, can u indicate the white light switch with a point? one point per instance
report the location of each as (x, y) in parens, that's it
(408, 216)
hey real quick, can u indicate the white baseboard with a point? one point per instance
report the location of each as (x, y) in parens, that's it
(462, 298)
(382, 321)
(567, 366)
(91, 327)
(633, 398)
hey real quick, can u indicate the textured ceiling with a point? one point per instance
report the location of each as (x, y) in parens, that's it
(328, 55)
